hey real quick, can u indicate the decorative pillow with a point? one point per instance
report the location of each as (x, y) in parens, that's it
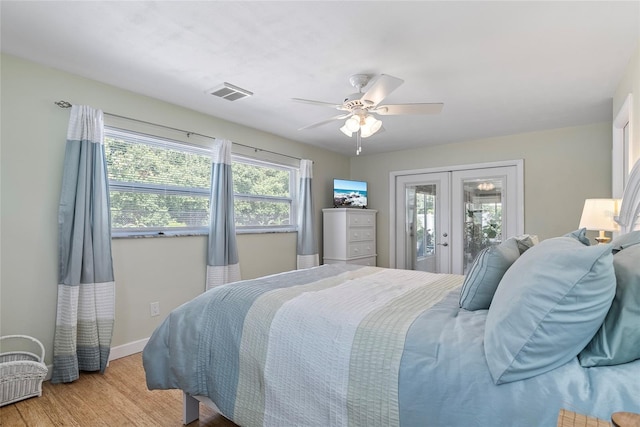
(548, 306)
(485, 273)
(618, 339)
(526, 241)
(580, 235)
(625, 240)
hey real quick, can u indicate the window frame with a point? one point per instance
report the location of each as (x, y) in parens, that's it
(623, 153)
(166, 143)
(292, 199)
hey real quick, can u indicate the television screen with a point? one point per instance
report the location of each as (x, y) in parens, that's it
(349, 193)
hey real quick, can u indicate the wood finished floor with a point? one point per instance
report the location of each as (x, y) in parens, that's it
(117, 398)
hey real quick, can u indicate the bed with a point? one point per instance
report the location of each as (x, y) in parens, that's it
(532, 328)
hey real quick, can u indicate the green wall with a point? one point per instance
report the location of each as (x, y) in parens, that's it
(170, 270)
(562, 167)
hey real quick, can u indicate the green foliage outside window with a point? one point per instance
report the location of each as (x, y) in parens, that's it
(261, 195)
(177, 194)
(158, 185)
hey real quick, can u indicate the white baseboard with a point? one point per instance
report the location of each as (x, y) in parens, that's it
(128, 349)
(117, 352)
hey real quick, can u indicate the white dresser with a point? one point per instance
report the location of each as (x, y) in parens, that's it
(349, 236)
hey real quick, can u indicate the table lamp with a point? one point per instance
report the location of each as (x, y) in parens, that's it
(598, 214)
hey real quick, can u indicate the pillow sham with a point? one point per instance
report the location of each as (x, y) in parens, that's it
(625, 240)
(580, 235)
(548, 306)
(526, 241)
(618, 339)
(485, 273)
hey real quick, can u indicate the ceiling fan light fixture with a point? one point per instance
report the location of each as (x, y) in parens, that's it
(365, 132)
(373, 123)
(370, 126)
(346, 131)
(352, 123)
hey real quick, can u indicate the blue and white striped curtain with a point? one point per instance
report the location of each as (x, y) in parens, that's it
(222, 255)
(86, 286)
(307, 248)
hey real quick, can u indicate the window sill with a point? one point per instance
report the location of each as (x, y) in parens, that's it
(146, 235)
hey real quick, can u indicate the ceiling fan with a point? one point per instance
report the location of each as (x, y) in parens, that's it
(359, 109)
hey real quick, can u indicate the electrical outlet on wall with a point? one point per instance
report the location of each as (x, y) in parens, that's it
(154, 309)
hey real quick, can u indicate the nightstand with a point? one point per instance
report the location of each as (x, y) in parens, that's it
(567, 418)
(625, 419)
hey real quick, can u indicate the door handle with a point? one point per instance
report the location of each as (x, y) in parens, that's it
(443, 244)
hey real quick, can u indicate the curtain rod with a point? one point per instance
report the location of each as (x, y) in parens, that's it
(65, 104)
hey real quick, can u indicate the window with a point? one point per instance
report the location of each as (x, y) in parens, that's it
(263, 195)
(159, 186)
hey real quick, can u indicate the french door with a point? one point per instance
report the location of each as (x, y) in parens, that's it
(422, 222)
(443, 219)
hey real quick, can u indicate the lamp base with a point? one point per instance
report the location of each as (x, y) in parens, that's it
(602, 238)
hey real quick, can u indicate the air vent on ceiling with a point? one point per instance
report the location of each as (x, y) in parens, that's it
(230, 92)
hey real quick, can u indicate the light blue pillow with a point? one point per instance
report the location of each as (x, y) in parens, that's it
(485, 273)
(548, 306)
(580, 235)
(625, 240)
(618, 339)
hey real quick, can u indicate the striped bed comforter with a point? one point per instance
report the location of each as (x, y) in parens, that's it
(343, 345)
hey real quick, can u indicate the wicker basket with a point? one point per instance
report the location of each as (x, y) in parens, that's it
(21, 372)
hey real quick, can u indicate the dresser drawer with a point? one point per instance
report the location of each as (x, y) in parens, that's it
(369, 261)
(360, 219)
(357, 234)
(360, 249)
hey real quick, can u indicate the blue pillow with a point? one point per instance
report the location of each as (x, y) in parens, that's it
(548, 306)
(618, 339)
(485, 273)
(625, 240)
(580, 235)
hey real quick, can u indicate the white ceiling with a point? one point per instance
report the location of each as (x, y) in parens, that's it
(499, 67)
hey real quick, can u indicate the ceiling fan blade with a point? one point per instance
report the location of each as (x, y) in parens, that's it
(392, 110)
(324, 122)
(380, 88)
(319, 103)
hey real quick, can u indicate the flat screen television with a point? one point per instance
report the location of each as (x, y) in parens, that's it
(349, 194)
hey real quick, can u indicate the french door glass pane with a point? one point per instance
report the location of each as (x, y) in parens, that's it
(425, 220)
(483, 216)
(421, 231)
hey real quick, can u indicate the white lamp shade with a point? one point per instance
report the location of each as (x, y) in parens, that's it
(371, 126)
(352, 123)
(598, 214)
(346, 131)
